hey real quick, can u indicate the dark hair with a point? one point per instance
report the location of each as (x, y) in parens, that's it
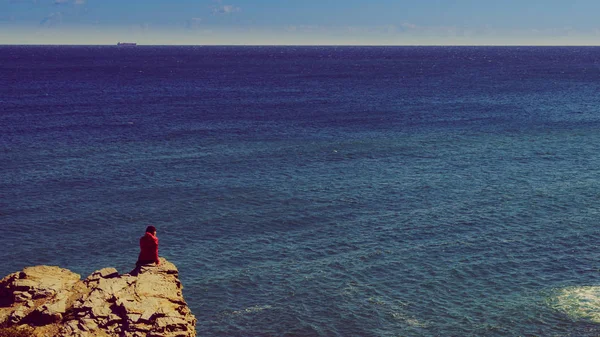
(150, 229)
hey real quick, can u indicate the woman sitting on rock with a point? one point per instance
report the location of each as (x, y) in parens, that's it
(148, 248)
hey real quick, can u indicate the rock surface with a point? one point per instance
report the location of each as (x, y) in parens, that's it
(56, 302)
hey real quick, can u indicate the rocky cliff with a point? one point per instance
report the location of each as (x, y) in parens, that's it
(52, 301)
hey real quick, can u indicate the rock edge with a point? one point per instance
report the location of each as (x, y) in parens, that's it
(54, 301)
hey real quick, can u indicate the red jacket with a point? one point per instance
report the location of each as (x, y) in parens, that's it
(148, 248)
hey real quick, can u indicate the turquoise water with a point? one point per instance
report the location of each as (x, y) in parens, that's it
(314, 191)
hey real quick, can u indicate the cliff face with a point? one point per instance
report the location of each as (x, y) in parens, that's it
(55, 302)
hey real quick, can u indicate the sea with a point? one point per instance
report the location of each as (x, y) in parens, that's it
(315, 190)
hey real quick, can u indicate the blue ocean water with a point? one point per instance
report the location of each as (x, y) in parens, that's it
(314, 191)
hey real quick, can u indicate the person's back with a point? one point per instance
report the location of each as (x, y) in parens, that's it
(148, 247)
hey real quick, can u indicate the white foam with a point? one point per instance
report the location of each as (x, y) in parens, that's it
(251, 310)
(581, 302)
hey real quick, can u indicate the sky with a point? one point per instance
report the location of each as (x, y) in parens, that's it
(301, 22)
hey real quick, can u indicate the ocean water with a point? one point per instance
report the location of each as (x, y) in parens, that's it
(315, 191)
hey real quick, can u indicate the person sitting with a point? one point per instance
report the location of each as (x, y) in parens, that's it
(148, 248)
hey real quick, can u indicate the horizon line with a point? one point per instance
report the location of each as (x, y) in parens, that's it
(299, 45)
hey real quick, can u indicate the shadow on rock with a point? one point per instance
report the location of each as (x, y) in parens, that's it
(55, 301)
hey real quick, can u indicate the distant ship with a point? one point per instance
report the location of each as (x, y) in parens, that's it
(126, 44)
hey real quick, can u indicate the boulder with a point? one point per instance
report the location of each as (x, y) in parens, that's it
(37, 282)
(55, 301)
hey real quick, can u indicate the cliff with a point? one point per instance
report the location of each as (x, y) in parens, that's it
(52, 301)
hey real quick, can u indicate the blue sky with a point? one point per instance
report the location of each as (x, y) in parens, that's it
(301, 22)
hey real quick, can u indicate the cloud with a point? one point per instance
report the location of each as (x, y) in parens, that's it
(63, 2)
(225, 9)
(44, 2)
(7, 18)
(193, 23)
(303, 28)
(374, 30)
(408, 25)
(52, 20)
(143, 27)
